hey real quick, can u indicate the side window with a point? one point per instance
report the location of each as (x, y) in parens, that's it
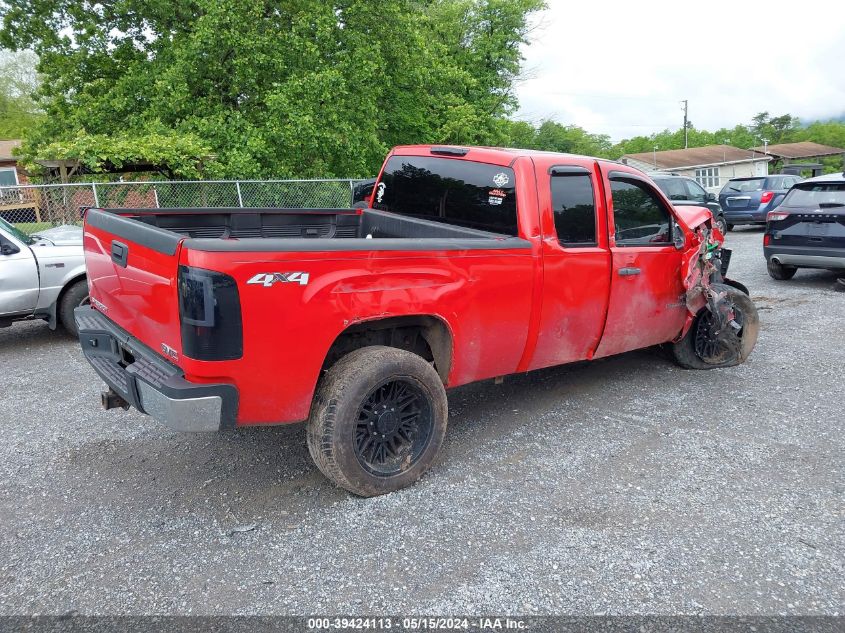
(574, 208)
(640, 217)
(695, 191)
(673, 188)
(8, 176)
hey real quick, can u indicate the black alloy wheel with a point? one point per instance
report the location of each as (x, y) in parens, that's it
(713, 347)
(378, 420)
(394, 427)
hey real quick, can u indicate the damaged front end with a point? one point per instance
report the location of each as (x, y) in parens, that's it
(711, 301)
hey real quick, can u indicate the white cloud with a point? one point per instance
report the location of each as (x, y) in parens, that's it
(622, 68)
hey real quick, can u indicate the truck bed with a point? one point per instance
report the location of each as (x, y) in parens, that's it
(294, 224)
(167, 276)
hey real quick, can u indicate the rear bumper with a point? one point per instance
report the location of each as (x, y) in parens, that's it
(745, 217)
(148, 382)
(806, 257)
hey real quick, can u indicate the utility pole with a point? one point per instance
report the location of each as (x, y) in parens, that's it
(686, 123)
(654, 156)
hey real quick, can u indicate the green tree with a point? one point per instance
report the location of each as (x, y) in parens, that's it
(778, 129)
(520, 134)
(18, 81)
(552, 136)
(291, 88)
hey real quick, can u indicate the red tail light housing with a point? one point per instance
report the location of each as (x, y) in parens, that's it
(767, 239)
(776, 216)
(767, 196)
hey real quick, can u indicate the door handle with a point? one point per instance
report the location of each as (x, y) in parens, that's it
(628, 271)
(119, 252)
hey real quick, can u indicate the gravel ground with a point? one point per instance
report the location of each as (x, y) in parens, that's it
(625, 486)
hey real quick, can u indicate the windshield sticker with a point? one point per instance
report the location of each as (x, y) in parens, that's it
(380, 191)
(501, 179)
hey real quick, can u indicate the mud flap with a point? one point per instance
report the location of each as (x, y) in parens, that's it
(51, 315)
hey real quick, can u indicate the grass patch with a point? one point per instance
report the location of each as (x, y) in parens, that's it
(32, 227)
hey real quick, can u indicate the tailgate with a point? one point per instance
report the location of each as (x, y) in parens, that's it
(742, 201)
(132, 274)
(824, 228)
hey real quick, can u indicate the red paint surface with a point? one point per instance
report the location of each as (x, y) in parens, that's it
(508, 310)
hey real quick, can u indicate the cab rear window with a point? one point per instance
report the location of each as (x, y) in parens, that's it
(459, 192)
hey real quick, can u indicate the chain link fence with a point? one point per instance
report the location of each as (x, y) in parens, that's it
(35, 207)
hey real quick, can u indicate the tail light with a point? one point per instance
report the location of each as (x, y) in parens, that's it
(767, 196)
(767, 239)
(776, 216)
(210, 315)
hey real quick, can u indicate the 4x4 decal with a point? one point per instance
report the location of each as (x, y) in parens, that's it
(268, 279)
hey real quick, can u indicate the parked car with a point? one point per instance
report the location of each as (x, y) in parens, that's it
(42, 276)
(748, 200)
(808, 229)
(683, 191)
(475, 263)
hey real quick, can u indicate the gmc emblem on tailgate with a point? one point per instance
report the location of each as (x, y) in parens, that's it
(268, 279)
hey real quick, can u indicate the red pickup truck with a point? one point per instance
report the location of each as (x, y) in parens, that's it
(467, 264)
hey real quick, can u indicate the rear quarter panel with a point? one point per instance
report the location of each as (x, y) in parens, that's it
(483, 296)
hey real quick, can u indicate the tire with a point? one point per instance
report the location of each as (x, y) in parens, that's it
(724, 227)
(779, 271)
(360, 444)
(697, 351)
(74, 296)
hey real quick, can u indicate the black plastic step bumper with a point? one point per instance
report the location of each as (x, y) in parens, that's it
(148, 382)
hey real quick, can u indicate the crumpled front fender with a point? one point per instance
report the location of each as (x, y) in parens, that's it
(700, 264)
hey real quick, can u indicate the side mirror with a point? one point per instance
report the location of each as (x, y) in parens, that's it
(9, 249)
(710, 197)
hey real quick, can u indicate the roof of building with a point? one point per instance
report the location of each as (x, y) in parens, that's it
(696, 156)
(804, 149)
(6, 147)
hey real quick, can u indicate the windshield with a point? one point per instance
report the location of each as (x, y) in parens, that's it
(459, 192)
(816, 196)
(16, 232)
(748, 184)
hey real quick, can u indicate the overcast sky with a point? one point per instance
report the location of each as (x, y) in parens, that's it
(622, 68)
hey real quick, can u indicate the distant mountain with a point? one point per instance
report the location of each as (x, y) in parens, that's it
(834, 118)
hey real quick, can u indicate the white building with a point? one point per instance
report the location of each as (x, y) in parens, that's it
(712, 166)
